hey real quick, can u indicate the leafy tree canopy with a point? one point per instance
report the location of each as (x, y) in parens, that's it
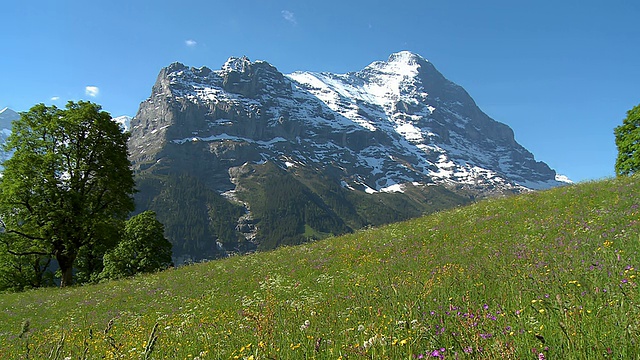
(628, 143)
(67, 186)
(143, 248)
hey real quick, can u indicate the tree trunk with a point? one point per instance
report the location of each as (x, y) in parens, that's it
(66, 267)
(37, 269)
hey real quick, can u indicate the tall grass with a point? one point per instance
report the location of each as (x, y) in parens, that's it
(545, 275)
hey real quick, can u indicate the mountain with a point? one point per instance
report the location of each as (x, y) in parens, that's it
(246, 156)
(6, 117)
(124, 121)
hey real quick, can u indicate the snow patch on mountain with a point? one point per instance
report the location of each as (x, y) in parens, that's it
(124, 122)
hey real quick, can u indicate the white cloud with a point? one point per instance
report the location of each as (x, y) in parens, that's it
(92, 91)
(55, 98)
(289, 16)
(191, 43)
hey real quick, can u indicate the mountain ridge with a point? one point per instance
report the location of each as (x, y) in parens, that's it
(337, 87)
(395, 127)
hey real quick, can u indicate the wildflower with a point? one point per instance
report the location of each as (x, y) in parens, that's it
(367, 344)
(360, 327)
(438, 353)
(374, 340)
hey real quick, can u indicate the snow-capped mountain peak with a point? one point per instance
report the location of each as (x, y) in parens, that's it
(403, 63)
(322, 141)
(406, 57)
(124, 121)
(7, 116)
(396, 121)
(236, 64)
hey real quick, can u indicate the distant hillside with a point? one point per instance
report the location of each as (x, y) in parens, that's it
(7, 116)
(552, 273)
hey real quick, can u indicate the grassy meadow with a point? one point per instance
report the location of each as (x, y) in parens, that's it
(550, 275)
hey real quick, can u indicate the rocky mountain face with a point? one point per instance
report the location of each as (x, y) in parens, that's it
(246, 156)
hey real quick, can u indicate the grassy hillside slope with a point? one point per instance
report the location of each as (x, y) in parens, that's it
(544, 275)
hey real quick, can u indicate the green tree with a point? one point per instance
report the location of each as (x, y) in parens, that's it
(143, 248)
(23, 272)
(628, 143)
(67, 185)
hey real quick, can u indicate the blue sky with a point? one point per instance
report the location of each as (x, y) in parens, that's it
(562, 74)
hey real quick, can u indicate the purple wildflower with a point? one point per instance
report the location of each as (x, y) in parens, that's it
(438, 353)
